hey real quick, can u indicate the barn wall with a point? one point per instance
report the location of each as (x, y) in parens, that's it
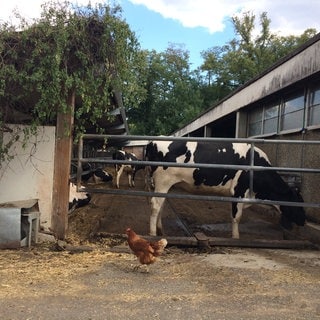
(137, 150)
(311, 182)
(300, 156)
(30, 174)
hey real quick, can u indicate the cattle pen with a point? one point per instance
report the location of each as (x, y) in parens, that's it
(291, 174)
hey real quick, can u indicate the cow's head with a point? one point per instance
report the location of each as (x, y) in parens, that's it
(152, 153)
(293, 214)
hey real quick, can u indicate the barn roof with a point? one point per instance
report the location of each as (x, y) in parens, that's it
(115, 125)
(301, 63)
(118, 124)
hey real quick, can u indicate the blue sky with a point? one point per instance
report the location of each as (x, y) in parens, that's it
(196, 24)
(156, 32)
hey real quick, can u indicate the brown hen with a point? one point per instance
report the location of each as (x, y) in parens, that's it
(145, 251)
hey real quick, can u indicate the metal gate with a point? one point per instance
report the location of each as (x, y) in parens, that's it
(251, 167)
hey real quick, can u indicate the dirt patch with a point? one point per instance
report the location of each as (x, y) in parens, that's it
(95, 277)
(227, 283)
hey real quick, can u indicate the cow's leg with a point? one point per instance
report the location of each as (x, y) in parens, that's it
(237, 209)
(119, 170)
(131, 179)
(163, 181)
(148, 179)
(155, 218)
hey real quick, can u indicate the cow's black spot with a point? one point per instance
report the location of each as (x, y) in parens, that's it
(188, 156)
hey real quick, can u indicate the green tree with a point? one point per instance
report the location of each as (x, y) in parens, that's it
(244, 57)
(172, 95)
(88, 51)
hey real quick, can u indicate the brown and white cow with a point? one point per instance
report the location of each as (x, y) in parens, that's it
(228, 182)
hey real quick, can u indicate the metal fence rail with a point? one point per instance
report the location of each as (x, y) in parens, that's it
(250, 167)
(195, 139)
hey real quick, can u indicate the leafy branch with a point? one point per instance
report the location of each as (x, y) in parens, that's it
(86, 51)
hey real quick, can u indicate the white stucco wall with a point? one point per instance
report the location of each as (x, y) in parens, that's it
(29, 175)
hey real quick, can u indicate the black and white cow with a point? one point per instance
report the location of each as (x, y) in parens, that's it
(100, 175)
(77, 199)
(129, 169)
(228, 182)
(92, 175)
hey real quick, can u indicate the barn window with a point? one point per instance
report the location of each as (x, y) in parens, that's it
(263, 120)
(292, 113)
(270, 119)
(314, 107)
(255, 122)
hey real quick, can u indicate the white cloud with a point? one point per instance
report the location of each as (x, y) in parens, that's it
(29, 9)
(24, 8)
(286, 17)
(201, 13)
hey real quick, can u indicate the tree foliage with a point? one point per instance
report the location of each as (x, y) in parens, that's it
(172, 94)
(86, 51)
(247, 55)
(91, 51)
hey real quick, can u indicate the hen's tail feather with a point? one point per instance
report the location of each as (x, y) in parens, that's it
(159, 246)
(163, 243)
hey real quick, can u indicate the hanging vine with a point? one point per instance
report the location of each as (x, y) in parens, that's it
(86, 50)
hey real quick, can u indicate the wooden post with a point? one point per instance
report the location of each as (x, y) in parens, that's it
(62, 161)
